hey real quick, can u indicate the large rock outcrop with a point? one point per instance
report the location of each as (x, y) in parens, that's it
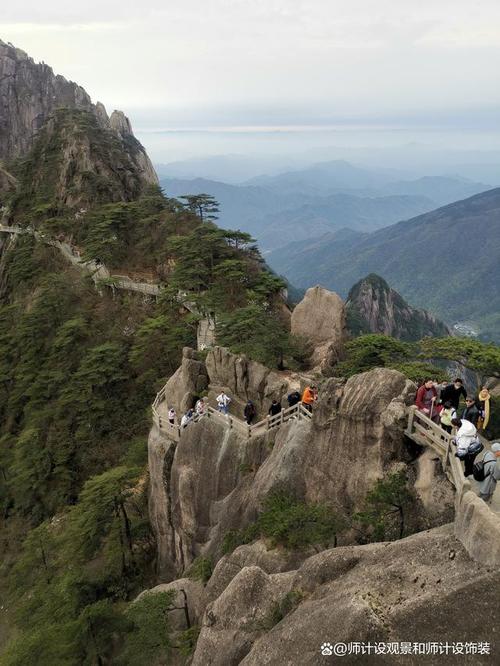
(373, 307)
(320, 318)
(244, 379)
(76, 164)
(241, 378)
(213, 481)
(414, 590)
(30, 93)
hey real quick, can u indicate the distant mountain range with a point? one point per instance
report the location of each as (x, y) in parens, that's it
(447, 261)
(323, 198)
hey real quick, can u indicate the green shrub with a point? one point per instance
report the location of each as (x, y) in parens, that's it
(290, 523)
(386, 509)
(201, 569)
(281, 609)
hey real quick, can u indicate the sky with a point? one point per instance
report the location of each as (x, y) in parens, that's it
(242, 66)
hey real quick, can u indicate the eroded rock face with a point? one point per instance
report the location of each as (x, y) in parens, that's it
(244, 380)
(373, 307)
(30, 93)
(234, 620)
(410, 590)
(189, 382)
(188, 598)
(7, 184)
(215, 481)
(320, 318)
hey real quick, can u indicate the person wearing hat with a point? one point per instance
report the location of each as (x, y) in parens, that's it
(491, 472)
(484, 408)
(471, 412)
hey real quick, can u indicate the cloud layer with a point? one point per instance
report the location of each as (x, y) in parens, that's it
(238, 61)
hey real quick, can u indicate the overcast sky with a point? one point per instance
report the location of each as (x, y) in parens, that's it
(176, 63)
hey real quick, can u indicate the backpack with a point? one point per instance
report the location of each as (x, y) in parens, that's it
(478, 470)
(475, 447)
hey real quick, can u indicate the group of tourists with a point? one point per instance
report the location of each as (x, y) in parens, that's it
(440, 402)
(308, 397)
(191, 414)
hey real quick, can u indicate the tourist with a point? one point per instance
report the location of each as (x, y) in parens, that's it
(484, 408)
(440, 387)
(199, 408)
(293, 398)
(171, 416)
(275, 408)
(453, 392)
(249, 412)
(491, 472)
(471, 412)
(426, 400)
(309, 396)
(223, 401)
(447, 415)
(186, 419)
(465, 437)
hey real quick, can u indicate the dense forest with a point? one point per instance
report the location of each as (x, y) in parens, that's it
(80, 363)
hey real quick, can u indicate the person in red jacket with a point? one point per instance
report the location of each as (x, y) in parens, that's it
(426, 400)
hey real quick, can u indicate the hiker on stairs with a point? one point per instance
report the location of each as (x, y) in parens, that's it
(471, 412)
(293, 398)
(453, 392)
(466, 441)
(275, 408)
(491, 468)
(249, 412)
(223, 402)
(426, 400)
(309, 397)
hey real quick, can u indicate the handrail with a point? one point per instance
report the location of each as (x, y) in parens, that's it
(473, 516)
(423, 430)
(297, 411)
(101, 275)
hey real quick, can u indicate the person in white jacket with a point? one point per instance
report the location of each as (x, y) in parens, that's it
(466, 435)
(223, 401)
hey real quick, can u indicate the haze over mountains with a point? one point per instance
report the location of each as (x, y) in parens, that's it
(446, 261)
(324, 198)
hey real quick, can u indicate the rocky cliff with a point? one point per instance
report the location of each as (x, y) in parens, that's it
(213, 481)
(320, 318)
(268, 605)
(411, 591)
(74, 165)
(373, 307)
(30, 93)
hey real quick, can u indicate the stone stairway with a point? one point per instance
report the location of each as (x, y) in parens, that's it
(477, 525)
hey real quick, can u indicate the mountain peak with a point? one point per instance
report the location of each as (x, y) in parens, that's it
(373, 307)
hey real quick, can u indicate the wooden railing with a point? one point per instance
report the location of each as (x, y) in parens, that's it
(427, 433)
(476, 525)
(103, 277)
(229, 421)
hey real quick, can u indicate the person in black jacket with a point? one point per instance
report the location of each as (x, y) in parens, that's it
(453, 392)
(471, 412)
(249, 412)
(293, 398)
(275, 408)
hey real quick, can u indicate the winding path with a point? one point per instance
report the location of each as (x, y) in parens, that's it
(173, 431)
(102, 276)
